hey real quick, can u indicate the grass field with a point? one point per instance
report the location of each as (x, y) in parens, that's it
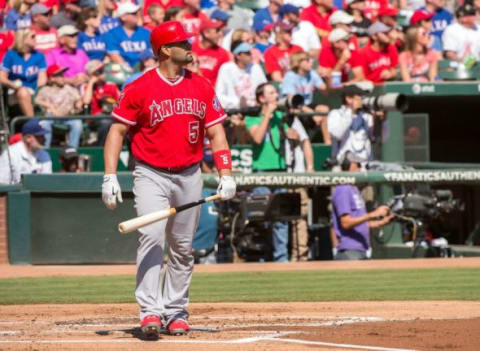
(324, 285)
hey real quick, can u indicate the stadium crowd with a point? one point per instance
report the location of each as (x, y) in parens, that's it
(73, 57)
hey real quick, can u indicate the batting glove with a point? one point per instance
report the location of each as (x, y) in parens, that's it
(111, 191)
(227, 188)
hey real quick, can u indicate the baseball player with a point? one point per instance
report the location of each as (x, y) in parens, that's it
(167, 111)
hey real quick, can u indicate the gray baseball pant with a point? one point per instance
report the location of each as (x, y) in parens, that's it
(155, 190)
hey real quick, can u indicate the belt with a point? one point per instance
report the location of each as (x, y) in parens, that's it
(167, 169)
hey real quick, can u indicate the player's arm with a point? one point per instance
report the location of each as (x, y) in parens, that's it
(218, 140)
(113, 146)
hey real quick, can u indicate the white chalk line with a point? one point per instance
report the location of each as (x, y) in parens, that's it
(348, 346)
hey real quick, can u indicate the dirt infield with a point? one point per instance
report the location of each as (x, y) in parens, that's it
(387, 326)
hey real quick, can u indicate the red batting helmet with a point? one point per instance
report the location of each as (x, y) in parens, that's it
(166, 33)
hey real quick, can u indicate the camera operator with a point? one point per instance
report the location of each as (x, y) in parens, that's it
(350, 126)
(69, 161)
(268, 132)
(351, 221)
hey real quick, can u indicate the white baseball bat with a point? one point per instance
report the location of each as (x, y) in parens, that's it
(138, 222)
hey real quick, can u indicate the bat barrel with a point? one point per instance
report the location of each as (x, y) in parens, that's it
(138, 222)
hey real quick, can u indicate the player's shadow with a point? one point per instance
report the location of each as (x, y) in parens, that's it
(137, 332)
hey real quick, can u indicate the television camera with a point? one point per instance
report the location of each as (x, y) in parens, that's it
(425, 216)
(245, 222)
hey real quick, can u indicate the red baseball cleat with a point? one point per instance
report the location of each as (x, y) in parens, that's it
(151, 326)
(178, 327)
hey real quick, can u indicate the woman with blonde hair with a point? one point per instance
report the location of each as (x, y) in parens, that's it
(107, 20)
(242, 35)
(23, 70)
(418, 63)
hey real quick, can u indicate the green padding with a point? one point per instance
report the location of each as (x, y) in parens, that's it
(77, 228)
(320, 153)
(96, 157)
(19, 227)
(4, 188)
(433, 89)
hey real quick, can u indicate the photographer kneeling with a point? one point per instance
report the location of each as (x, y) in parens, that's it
(268, 132)
(351, 221)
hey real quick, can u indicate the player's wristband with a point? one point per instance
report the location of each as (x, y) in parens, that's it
(222, 159)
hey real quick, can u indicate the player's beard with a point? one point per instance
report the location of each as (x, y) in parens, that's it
(182, 58)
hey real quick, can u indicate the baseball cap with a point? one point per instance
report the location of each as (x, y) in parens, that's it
(340, 17)
(67, 29)
(219, 15)
(55, 69)
(378, 27)
(146, 54)
(420, 15)
(208, 23)
(243, 47)
(353, 89)
(465, 10)
(338, 34)
(127, 7)
(284, 25)
(68, 152)
(93, 65)
(288, 8)
(33, 127)
(39, 9)
(388, 11)
(260, 26)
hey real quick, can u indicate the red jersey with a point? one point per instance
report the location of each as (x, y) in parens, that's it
(6, 42)
(210, 60)
(372, 7)
(374, 62)
(45, 40)
(328, 59)
(102, 91)
(320, 21)
(277, 59)
(168, 119)
(352, 42)
(191, 22)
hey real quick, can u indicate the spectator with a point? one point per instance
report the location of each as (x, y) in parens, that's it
(380, 57)
(277, 57)
(303, 33)
(303, 80)
(7, 38)
(23, 70)
(165, 4)
(193, 18)
(174, 13)
(127, 41)
(53, 5)
(107, 20)
(69, 160)
(238, 17)
(299, 159)
(350, 127)
(318, 13)
(388, 16)
(66, 16)
(243, 35)
(341, 19)
(418, 63)
(461, 40)
(100, 96)
(19, 15)
(25, 156)
(67, 55)
(372, 7)
(89, 39)
(269, 132)
(360, 23)
(147, 62)
(238, 80)
(45, 36)
(262, 37)
(210, 55)
(423, 19)
(351, 222)
(338, 63)
(268, 15)
(441, 19)
(59, 99)
(156, 15)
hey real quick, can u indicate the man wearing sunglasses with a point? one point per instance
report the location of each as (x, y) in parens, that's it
(45, 35)
(167, 112)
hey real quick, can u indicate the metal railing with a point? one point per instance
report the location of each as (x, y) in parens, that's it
(18, 119)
